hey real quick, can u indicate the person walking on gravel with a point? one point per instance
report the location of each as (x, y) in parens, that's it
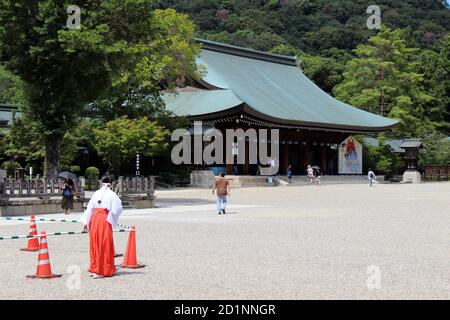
(372, 178)
(222, 186)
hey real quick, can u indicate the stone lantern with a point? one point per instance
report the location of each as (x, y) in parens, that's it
(412, 147)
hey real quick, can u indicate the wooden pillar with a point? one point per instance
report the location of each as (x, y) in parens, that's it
(229, 169)
(247, 158)
(324, 159)
(305, 150)
(284, 161)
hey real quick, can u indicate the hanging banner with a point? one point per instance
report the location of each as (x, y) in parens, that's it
(350, 156)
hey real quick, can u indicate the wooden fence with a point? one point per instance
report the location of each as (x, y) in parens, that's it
(45, 188)
(437, 173)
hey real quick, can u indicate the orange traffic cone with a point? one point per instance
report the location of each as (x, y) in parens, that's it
(33, 243)
(44, 270)
(130, 260)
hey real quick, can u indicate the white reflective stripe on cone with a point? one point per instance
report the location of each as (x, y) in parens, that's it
(40, 263)
(44, 240)
(42, 251)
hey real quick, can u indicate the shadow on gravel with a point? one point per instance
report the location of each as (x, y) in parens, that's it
(127, 273)
(183, 201)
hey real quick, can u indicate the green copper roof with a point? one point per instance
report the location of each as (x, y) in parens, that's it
(272, 87)
(411, 143)
(393, 143)
(201, 102)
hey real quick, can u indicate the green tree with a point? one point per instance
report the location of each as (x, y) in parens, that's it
(10, 167)
(313, 25)
(383, 79)
(11, 88)
(381, 158)
(25, 142)
(435, 67)
(122, 138)
(162, 62)
(325, 72)
(65, 69)
(83, 132)
(437, 150)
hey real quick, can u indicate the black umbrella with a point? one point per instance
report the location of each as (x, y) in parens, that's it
(67, 175)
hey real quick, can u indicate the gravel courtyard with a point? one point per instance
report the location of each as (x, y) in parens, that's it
(299, 242)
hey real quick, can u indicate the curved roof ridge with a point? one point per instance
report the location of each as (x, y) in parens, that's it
(247, 52)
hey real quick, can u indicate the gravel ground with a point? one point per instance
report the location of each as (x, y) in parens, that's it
(300, 242)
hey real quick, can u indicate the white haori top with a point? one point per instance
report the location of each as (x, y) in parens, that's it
(107, 199)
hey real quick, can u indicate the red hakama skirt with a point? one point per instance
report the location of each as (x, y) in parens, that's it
(101, 244)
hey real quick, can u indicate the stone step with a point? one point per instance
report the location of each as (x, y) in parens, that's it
(128, 205)
(304, 180)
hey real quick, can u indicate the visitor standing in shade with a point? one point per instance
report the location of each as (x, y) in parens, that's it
(289, 172)
(68, 192)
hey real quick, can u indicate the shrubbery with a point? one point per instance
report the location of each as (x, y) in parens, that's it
(10, 166)
(75, 169)
(91, 174)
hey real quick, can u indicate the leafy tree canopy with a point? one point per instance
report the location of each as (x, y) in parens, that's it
(310, 25)
(120, 44)
(11, 88)
(383, 78)
(120, 139)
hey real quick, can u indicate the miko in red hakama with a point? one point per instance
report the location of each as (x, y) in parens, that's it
(101, 244)
(101, 216)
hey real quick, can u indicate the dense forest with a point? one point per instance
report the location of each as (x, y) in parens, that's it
(314, 26)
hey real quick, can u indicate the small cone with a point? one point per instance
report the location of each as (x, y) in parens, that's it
(130, 260)
(33, 243)
(44, 270)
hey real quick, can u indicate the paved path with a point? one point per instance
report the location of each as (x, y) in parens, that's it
(300, 242)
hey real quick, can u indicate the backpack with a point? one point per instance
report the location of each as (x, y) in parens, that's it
(66, 192)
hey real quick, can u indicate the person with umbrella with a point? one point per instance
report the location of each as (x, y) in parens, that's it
(68, 191)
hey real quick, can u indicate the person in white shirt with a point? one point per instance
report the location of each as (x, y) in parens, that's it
(101, 216)
(371, 176)
(310, 173)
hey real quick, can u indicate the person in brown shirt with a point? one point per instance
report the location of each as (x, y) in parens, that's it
(223, 190)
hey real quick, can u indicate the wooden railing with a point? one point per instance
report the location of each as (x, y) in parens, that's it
(437, 173)
(135, 185)
(45, 188)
